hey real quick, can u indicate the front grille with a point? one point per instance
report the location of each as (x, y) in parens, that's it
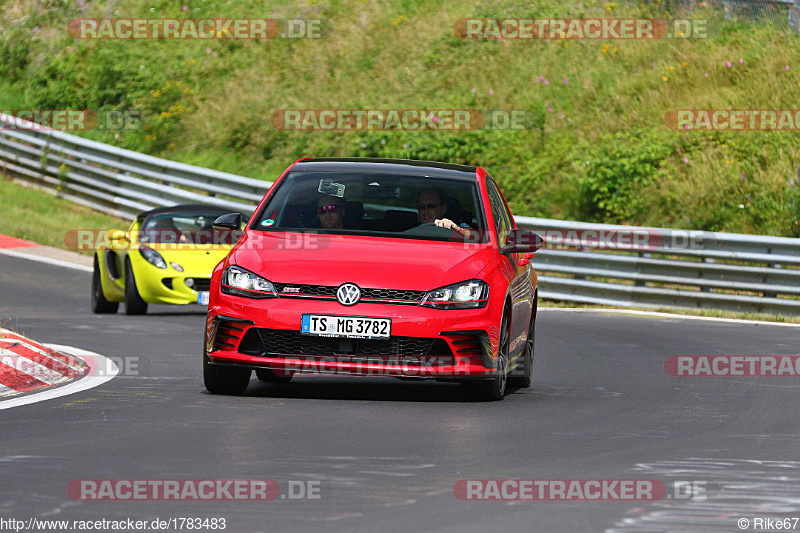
(329, 291)
(283, 342)
(198, 284)
(392, 294)
(306, 290)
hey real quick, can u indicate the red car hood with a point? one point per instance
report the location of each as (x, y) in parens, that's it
(371, 262)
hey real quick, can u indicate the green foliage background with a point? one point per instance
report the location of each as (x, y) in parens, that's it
(599, 149)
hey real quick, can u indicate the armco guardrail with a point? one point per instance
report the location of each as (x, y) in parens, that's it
(114, 180)
(653, 267)
(648, 267)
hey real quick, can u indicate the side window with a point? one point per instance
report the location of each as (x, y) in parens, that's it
(502, 219)
(509, 216)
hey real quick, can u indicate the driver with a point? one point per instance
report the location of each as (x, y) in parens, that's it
(164, 230)
(330, 210)
(431, 207)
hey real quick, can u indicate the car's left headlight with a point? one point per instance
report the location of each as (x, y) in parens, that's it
(470, 294)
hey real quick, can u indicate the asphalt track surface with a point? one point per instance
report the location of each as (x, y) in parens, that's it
(387, 452)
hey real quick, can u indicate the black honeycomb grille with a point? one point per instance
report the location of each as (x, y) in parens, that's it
(288, 342)
(329, 291)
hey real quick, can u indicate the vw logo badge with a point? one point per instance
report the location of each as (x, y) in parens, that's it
(348, 294)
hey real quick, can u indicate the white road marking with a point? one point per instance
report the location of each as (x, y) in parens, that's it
(731, 488)
(667, 315)
(49, 261)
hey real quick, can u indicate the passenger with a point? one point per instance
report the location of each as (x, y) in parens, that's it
(330, 210)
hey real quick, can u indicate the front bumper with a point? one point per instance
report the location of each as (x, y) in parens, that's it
(463, 342)
(168, 286)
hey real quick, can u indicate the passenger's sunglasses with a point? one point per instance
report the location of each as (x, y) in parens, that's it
(431, 205)
(328, 209)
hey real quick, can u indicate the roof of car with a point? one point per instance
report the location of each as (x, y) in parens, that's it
(388, 166)
(185, 208)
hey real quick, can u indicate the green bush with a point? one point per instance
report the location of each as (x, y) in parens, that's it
(617, 169)
(15, 49)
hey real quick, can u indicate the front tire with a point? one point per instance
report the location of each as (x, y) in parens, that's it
(134, 305)
(224, 380)
(99, 303)
(493, 389)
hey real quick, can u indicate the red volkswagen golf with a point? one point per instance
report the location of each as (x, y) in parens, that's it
(369, 267)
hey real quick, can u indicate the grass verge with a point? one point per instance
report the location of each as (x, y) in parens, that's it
(37, 216)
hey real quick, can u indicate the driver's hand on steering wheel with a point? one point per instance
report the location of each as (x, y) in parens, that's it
(449, 224)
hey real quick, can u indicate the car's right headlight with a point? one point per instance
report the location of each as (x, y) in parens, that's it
(465, 295)
(241, 282)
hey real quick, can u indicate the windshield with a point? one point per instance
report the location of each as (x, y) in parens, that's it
(195, 228)
(373, 204)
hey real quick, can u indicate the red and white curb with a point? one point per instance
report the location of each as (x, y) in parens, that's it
(22, 249)
(43, 372)
(13, 242)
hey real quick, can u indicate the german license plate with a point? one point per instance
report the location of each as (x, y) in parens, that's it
(351, 327)
(202, 298)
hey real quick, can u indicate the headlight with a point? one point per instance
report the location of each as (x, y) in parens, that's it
(152, 257)
(241, 282)
(465, 295)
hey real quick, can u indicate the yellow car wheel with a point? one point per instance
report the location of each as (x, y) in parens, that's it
(134, 305)
(99, 303)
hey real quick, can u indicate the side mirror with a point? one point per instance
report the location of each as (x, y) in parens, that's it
(522, 240)
(117, 235)
(231, 221)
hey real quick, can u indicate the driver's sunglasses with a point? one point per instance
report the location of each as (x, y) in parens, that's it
(431, 205)
(328, 209)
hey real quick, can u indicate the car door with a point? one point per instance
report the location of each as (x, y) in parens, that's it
(521, 288)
